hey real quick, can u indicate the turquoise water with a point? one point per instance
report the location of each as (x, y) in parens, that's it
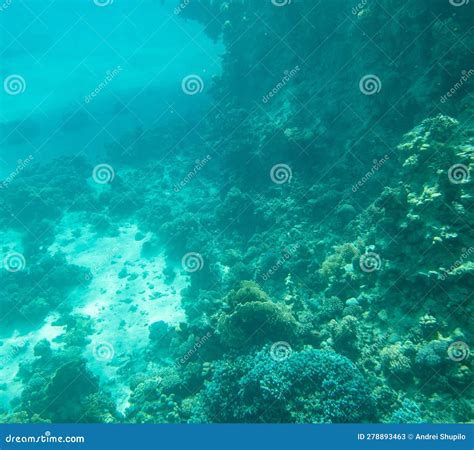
(64, 50)
(236, 211)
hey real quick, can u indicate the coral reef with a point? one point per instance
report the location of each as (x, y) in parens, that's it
(254, 319)
(310, 386)
(339, 293)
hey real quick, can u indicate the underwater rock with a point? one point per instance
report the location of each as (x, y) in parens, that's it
(254, 319)
(352, 302)
(247, 291)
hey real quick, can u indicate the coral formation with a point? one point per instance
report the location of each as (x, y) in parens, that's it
(310, 386)
(317, 269)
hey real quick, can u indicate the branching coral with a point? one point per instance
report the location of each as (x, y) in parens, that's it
(310, 386)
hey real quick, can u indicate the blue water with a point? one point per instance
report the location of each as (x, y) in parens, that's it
(64, 49)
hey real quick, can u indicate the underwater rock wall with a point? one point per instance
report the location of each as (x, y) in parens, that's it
(295, 74)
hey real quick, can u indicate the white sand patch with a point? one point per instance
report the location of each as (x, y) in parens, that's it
(126, 294)
(123, 295)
